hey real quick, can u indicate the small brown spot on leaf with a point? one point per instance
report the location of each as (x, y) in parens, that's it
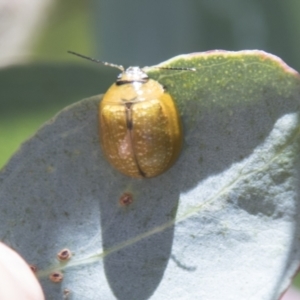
(64, 254)
(126, 199)
(56, 277)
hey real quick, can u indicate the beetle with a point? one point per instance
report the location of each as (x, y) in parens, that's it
(139, 123)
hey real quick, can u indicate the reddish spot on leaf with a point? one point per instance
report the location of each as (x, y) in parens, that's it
(126, 199)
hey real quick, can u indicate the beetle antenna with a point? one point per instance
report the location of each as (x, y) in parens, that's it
(98, 61)
(175, 68)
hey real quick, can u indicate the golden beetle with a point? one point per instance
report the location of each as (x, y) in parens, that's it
(140, 127)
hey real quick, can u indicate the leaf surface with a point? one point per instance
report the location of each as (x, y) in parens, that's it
(220, 224)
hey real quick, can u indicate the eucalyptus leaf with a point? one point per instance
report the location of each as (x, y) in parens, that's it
(222, 223)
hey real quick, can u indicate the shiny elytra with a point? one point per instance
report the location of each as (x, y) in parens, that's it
(139, 124)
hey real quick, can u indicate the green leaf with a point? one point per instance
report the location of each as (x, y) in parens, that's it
(222, 223)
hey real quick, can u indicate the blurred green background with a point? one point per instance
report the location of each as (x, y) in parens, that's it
(132, 32)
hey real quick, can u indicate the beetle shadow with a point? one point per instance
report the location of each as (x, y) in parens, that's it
(225, 136)
(142, 232)
(214, 142)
